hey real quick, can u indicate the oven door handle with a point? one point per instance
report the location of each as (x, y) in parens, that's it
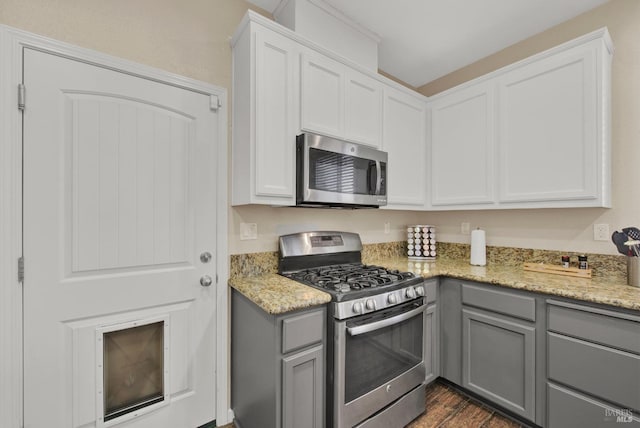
(367, 328)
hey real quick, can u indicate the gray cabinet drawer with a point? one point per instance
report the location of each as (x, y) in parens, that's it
(505, 302)
(596, 325)
(607, 373)
(302, 330)
(569, 409)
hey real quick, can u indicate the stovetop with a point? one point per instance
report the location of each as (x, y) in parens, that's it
(346, 278)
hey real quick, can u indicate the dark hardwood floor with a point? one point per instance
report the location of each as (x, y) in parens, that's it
(448, 408)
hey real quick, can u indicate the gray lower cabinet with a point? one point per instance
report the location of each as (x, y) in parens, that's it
(489, 340)
(498, 357)
(431, 332)
(450, 306)
(277, 366)
(553, 361)
(431, 352)
(593, 376)
(303, 389)
(499, 347)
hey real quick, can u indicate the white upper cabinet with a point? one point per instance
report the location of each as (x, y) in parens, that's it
(339, 101)
(535, 134)
(363, 108)
(322, 94)
(550, 147)
(404, 139)
(462, 147)
(264, 112)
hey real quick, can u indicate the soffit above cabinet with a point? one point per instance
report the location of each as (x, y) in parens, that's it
(307, 43)
(421, 40)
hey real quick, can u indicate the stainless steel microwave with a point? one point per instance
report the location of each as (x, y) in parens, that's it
(336, 173)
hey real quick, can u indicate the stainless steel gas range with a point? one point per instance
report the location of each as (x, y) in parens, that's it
(375, 361)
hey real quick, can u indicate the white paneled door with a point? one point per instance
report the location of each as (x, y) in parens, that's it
(119, 213)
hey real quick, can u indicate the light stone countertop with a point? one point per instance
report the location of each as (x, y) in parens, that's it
(594, 290)
(276, 294)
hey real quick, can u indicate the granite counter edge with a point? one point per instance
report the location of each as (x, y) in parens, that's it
(278, 295)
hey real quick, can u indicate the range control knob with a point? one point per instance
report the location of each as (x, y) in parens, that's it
(357, 308)
(410, 293)
(420, 290)
(370, 304)
(392, 299)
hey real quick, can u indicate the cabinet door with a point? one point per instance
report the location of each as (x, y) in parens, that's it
(449, 303)
(322, 96)
(548, 137)
(462, 147)
(363, 109)
(303, 389)
(275, 64)
(498, 357)
(431, 343)
(404, 139)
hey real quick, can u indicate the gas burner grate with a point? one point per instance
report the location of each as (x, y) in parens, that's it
(346, 277)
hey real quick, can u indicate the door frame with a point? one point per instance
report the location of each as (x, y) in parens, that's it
(12, 41)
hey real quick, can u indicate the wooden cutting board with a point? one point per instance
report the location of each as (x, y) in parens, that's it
(557, 270)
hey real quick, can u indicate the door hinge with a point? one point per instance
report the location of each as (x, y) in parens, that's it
(21, 269)
(21, 96)
(214, 102)
(216, 279)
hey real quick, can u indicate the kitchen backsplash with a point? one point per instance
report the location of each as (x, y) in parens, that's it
(253, 264)
(613, 267)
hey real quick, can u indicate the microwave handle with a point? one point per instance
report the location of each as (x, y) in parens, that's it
(373, 181)
(378, 177)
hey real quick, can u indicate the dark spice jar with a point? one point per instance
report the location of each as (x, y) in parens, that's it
(565, 261)
(582, 262)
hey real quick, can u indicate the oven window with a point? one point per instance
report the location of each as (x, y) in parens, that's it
(335, 172)
(373, 359)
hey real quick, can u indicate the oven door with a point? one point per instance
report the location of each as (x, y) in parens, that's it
(378, 358)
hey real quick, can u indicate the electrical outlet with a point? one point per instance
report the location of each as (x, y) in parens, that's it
(465, 228)
(387, 228)
(248, 231)
(601, 232)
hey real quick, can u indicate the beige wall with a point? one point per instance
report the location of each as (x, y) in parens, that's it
(192, 38)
